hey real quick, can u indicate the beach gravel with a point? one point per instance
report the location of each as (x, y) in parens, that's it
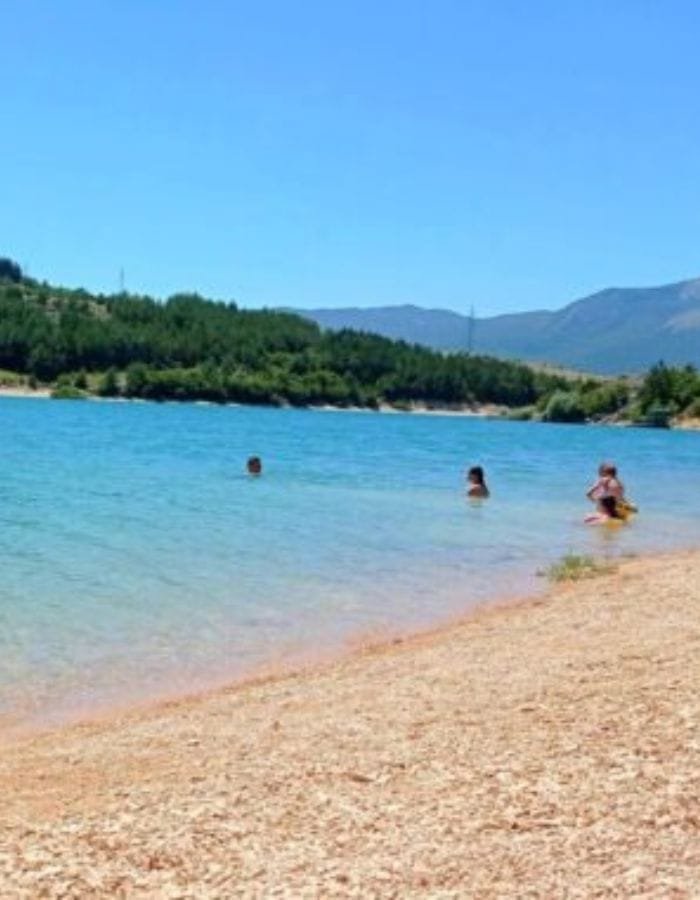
(544, 749)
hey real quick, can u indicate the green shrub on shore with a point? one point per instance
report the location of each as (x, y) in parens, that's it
(67, 387)
(108, 384)
(600, 400)
(564, 406)
(656, 416)
(11, 379)
(522, 413)
(67, 392)
(668, 391)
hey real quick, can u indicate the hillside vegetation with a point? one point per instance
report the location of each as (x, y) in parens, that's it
(190, 348)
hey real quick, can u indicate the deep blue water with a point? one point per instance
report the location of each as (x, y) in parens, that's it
(136, 557)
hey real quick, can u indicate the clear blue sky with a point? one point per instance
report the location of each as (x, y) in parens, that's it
(507, 154)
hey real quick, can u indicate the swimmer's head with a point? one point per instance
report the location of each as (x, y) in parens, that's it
(254, 465)
(476, 475)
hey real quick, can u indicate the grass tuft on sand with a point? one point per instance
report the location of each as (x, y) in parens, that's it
(576, 567)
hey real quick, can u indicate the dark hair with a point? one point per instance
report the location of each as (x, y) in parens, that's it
(254, 464)
(477, 473)
(609, 504)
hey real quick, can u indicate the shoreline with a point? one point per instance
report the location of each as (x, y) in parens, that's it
(308, 662)
(460, 410)
(25, 393)
(485, 410)
(305, 662)
(549, 740)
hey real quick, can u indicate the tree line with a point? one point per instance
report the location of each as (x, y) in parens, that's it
(189, 348)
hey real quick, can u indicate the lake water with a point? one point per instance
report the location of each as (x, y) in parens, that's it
(137, 559)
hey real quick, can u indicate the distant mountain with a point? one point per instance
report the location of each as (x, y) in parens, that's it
(618, 330)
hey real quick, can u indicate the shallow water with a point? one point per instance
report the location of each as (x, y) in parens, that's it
(136, 558)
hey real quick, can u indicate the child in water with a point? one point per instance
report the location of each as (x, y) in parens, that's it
(608, 493)
(476, 483)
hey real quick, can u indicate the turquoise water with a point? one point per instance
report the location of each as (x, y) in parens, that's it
(136, 558)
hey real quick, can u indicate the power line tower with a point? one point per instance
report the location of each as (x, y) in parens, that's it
(470, 333)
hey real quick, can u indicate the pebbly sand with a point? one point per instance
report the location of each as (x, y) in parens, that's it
(545, 749)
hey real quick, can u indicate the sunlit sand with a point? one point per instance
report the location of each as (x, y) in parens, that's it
(548, 747)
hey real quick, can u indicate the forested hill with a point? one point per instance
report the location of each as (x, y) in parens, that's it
(191, 348)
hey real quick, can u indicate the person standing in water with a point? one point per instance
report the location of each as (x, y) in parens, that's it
(476, 483)
(606, 485)
(608, 494)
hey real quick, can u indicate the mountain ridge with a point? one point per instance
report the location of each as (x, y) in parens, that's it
(612, 331)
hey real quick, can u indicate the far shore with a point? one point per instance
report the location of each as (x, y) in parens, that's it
(485, 410)
(690, 424)
(465, 410)
(551, 743)
(37, 393)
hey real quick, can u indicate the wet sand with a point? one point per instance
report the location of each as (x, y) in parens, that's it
(545, 749)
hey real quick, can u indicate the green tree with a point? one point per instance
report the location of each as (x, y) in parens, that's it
(137, 380)
(9, 270)
(108, 385)
(564, 406)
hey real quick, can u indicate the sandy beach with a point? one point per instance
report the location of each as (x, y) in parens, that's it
(687, 423)
(483, 410)
(21, 392)
(544, 749)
